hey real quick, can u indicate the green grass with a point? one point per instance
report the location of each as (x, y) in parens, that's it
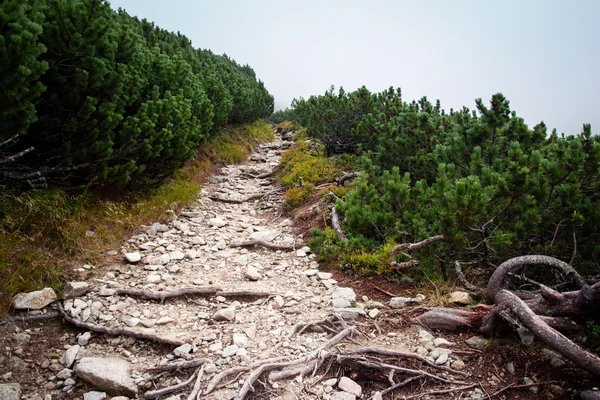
(43, 233)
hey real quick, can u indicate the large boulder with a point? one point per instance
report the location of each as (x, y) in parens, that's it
(112, 375)
(34, 300)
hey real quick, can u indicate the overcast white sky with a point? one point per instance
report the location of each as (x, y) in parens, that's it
(543, 55)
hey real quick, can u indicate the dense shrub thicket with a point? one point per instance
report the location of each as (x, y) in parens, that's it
(482, 178)
(92, 94)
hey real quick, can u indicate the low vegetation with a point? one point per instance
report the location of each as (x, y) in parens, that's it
(44, 234)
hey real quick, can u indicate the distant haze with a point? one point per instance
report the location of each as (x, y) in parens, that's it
(543, 55)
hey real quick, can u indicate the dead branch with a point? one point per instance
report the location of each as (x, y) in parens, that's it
(401, 384)
(248, 387)
(498, 278)
(190, 292)
(336, 224)
(238, 201)
(16, 156)
(341, 180)
(515, 386)
(515, 311)
(268, 245)
(161, 296)
(410, 247)
(436, 392)
(118, 331)
(29, 318)
(195, 394)
(461, 277)
(152, 394)
(179, 365)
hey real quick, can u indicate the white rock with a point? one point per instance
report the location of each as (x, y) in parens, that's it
(224, 314)
(374, 313)
(350, 313)
(183, 351)
(340, 303)
(164, 320)
(278, 302)
(84, 338)
(344, 293)
(477, 342)
(176, 255)
(252, 273)
(458, 365)
(302, 251)
(342, 396)
(160, 260)
(311, 272)
(229, 351)
(441, 359)
(94, 396)
(324, 275)
(76, 289)
(133, 257)
(462, 298)
(112, 375)
(10, 391)
(240, 340)
(348, 385)
(217, 222)
(64, 374)
(69, 357)
(153, 278)
(34, 300)
(401, 302)
(441, 342)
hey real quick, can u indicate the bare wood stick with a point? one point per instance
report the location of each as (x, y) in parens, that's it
(179, 365)
(118, 331)
(300, 370)
(238, 201)
(161, 296)
(29, 318)
(249, 382)
(244, 293)
(152, 394)
(383, 291)
(16, 156)
(409, 247)
(515, 386)
(268, 245)
(436, 392)
(216, 380)
(401, 384)
(461, 277)
(194, 395)
(402, 354)
(337, 226)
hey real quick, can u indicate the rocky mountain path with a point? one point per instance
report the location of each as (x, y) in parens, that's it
(213, 305)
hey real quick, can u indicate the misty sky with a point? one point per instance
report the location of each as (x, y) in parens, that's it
(544, 55)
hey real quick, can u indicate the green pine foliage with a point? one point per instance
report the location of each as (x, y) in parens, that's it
(94, 96)
(494, 187)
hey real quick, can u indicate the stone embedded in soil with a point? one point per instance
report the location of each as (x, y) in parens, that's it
(133, 257)
(34, 300)
(342, 396)
(112, 375)
(350, 313)
(76, 289)
(266, 236)
(441, 342)
(458, 365)
(94, 396)
(252, 274)
(462, 298)
(344, 293)
(348, 385)
(224, 314)
(477, 342)
(69, 357)
(10, 391)
(401, 302)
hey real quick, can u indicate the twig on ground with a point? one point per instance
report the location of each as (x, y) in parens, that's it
(171, 389)
(179, 365)
(29, 318)
(268, 245)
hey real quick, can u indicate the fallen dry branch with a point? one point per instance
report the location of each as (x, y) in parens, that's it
(515, 386)
(516, 312)
(29, 318)
(268, 245)
(195, 394)
(332, 324)
(468, 285)
(118, 331)
(153, 394)
(401, 384)
(337, 226)
(162, 296)
(438, 392)
(191, 292)
(179, 365)
(409, 247)
(256, 196)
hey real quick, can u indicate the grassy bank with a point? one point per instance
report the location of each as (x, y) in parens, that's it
(45, 234)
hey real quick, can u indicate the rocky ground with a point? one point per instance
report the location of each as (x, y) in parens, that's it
(232, 305)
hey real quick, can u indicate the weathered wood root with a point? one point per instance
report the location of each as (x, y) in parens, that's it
(500, 275)
(351, 175)
(179, 365)
(410, 247)
(268, 245)
(332, 324)
(450, 318)
(468, 285)
(162, 296)
(153, 394)
(337, 226)
(191, 292)
(516, 312)
(195, 394)
(117, 331)
(29, 318)
(238, 201)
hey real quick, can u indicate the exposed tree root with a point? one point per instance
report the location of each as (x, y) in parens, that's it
(195, 394)
(498, 278)
(29, 318)
(238, 201)
(468, 285)
(336, 224)
(268, 245)
(409, 247)
(153, 394)
(444, 391)
(118, 331)
(351, 175)
(179, 365)
(517, 313)
(191, 292)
